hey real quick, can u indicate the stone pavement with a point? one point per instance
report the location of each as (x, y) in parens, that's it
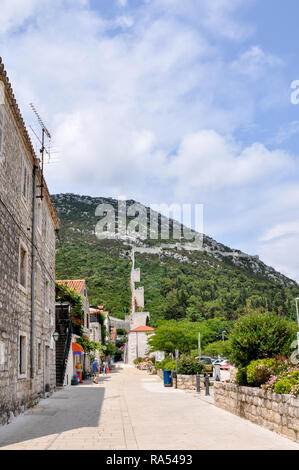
(130, 409)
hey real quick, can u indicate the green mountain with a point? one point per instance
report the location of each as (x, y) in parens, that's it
(178, 281)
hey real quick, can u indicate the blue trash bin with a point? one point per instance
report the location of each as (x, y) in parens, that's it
(167, 378)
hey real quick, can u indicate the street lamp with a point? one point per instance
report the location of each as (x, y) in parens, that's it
(296, 300)
(55, 336)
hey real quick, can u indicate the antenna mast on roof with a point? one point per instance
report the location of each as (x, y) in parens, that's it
(43, 149)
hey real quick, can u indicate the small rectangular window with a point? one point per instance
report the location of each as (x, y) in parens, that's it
(22, 355)
(23, 267)
(39, 356)
(1, 129)
(25, 180)
(47, 295)
(38, 282)
(39, 217)
(45, 224)
(47, 356)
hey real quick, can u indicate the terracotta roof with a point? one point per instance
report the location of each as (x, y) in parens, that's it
(94, 311)
(76, 285)
(22, 127)
(142, 328)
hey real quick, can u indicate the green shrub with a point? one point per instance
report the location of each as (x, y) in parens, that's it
(218, 348)
(259, 372)
(138, 360)
(241, 376)
(260, 335)
(160, 365)
(170, 365)
(166, 364)
(121, 331)
(283, 386)
(294, 377)
(189, 365)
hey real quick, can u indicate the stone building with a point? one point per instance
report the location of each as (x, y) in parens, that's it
(79, 285)
(76, 353)
(138, 343)
(28, 222)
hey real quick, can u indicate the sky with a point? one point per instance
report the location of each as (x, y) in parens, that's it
(165, 101)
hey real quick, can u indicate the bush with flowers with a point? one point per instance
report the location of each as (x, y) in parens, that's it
(286, 382)
(259, 372)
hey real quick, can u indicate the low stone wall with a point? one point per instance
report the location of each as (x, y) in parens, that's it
(184, 382)
(279, 413)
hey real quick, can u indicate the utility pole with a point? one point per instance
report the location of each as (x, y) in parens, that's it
(296, 300)
(199, 348)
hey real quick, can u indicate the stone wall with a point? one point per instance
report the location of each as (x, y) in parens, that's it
(20, 389)
(279, 413)
(184, 382)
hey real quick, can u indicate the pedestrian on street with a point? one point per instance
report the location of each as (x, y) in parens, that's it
(105, 367)
(95, 370)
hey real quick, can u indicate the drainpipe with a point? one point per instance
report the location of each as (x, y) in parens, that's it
(32, 331)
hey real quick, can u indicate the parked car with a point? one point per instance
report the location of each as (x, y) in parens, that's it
(225, 365)
(207, 365)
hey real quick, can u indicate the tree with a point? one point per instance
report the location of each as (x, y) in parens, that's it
(110, 349)
(171, 335)
(219, 348)
(183, 334)
(260, 335)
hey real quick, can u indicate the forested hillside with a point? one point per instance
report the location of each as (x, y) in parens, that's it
(178, 283)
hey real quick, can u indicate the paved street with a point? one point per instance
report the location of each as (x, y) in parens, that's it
(130, 409)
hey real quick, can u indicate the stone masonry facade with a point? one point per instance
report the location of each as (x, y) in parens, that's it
(27, 348)
(279, 413)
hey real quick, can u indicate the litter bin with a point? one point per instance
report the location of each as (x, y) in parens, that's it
(167, 378)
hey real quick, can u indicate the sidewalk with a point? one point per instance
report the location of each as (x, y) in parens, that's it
(130, 409)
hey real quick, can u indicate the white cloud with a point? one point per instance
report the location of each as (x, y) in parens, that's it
(208, 160)
(15, 12)
(218, 18)
(255, 62)
(144, 104)
(283, 255)
(281, 230)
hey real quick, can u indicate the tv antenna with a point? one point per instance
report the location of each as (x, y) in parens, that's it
(45, 133)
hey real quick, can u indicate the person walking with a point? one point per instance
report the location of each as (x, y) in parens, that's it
(95, 370)
(105, 367)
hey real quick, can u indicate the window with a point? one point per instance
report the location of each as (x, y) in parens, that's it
(39, 216)
(47, 295)
(47, 356)
(22, 355)
(2, 353)
(23, 266)
(39, 356)
(45, 224)
(1, 128)
(25, 181)
(38, 281)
